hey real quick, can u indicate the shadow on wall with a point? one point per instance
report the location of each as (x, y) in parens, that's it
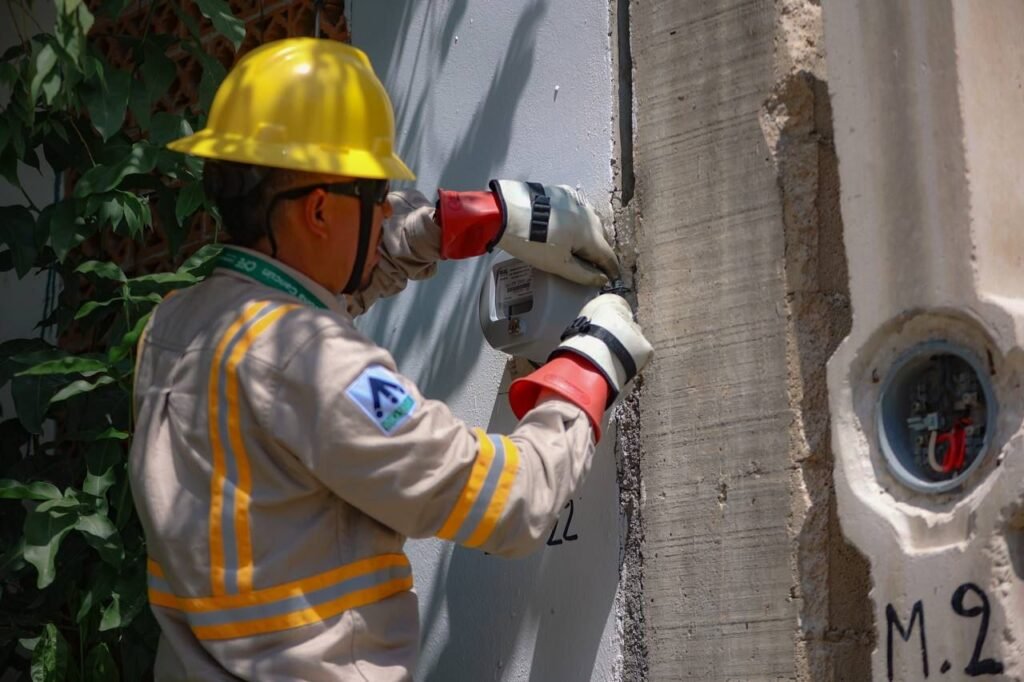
(470, 590)
(496, 608)
(475, 157)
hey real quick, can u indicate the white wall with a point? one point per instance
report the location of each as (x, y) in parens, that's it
(486, 89)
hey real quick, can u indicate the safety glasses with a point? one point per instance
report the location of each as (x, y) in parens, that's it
(376, 190)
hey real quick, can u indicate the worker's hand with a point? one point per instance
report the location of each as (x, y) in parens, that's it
(601, 351)
(553, 228)
(606, 335)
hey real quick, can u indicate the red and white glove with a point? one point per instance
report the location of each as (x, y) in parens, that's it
(601, 351)
(549, 227)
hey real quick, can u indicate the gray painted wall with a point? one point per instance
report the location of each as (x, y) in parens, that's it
(485, 89)
(21, 305)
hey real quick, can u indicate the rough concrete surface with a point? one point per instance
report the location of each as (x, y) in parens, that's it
(742, 288)
(928, 106)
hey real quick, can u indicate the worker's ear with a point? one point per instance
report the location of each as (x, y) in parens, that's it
(315, 213)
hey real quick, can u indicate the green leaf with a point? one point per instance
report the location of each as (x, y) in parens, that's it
(137, 215)
(111, 617)
(218, 12)
(8, 74)
(167, 127)
(89, 307)
(190, 198)
(108, 208)
(201, 263)
(140, 159)
(100, 533)
(64, 224)
(17, 230)
(158, 72)
(98, 590)
(51, 86)
(101, 463)
(140, 104)
(32, 399)
(102, 270)
(16, 490)
(50, 656)
(127, 343)
(17, 354)
(107, 106)
(73, 23)
(68, 365)
(43, 66)
(159, 283)
(43, 532)
(80, 387)
(100, 665)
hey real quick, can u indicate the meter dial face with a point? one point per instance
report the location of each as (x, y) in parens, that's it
(934, 417)
(513, 289)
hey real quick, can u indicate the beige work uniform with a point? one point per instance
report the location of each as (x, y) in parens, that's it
(280, 462)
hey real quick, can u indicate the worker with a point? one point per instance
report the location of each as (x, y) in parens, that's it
(280, 459)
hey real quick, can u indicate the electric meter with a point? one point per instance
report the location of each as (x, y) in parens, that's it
(523, 311)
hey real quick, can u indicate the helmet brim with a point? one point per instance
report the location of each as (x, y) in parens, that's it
(354, 163)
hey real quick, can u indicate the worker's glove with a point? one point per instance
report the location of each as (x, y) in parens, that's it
(601, 352)
(547, 226)
(553, 228)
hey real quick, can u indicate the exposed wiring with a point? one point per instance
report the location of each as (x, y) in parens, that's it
(932, 462)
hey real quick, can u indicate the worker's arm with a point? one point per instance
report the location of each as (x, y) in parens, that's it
(410, 247)
(340, 407)
(549, 227)
(367, 433)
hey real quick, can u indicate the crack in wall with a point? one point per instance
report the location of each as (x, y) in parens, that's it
(631, 663)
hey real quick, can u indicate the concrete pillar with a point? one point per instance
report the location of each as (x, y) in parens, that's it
(741, 282)
(928, 102)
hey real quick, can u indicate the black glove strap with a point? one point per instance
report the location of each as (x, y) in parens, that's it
(582, 325)
(540, 212)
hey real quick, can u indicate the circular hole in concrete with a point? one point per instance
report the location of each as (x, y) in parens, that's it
(934, 417)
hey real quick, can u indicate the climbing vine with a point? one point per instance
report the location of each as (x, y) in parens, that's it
(72, 560)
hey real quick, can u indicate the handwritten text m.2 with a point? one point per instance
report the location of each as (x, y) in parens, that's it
(977, 666)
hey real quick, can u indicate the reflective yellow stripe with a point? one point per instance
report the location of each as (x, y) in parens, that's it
(305, 616)
(217, 447)
(471, 491)
(291, 604)
(500, 497)
(243, 487)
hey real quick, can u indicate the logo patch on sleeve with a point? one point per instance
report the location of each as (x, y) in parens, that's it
(383, 399)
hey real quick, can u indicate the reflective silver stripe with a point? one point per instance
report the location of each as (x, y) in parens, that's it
(158, 584)
(298, 602)
(483, 500)
(227, 513)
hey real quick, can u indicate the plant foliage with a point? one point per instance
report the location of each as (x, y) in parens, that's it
(72, 559)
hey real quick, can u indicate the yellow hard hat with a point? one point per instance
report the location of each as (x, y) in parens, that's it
(304, 104)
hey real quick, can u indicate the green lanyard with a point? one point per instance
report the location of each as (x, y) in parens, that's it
(267, 274)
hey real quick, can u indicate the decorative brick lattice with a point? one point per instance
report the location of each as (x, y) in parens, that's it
(265, 21)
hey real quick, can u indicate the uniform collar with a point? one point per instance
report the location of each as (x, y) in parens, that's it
(258, 267)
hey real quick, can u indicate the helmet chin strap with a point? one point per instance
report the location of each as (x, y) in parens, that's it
(366, 205)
